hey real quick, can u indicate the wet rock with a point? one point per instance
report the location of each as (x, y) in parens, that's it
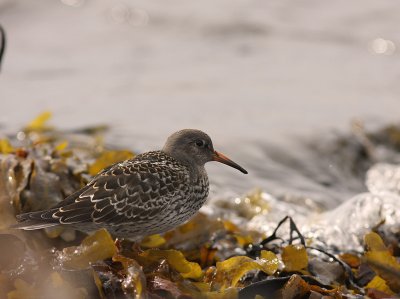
(296, 287)
(326, 272)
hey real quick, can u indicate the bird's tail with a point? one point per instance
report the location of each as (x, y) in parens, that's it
(35, 220)
(32, 225)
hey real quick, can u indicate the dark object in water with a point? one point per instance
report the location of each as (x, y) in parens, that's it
(2, 43)
(254, 250)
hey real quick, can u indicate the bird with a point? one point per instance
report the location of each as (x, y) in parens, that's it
(150, 194)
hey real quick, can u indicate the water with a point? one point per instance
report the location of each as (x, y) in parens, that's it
(260, 77)
(277, 84)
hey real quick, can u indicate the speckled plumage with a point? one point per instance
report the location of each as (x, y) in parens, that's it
(151, 193)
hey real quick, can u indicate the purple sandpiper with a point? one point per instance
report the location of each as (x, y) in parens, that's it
(149, 194)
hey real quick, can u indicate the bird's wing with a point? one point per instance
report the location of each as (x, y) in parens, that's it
(125, 192)
(129, 192)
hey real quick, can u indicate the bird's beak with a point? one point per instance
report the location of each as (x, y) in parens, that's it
(223, 159)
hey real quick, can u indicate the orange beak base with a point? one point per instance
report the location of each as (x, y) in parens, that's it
(224, 159)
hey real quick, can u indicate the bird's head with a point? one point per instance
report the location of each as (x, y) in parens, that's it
(195, 146)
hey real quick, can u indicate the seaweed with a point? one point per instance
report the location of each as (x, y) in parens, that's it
(207, 257)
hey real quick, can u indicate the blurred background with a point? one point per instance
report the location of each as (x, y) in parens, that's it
(257, 75)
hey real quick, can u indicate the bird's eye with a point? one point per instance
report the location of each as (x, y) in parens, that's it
(200, 143)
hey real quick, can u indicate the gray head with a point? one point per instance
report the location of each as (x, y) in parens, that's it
(195, 146)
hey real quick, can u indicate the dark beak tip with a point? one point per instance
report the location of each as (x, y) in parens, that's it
(225, 160)
(242, 170)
